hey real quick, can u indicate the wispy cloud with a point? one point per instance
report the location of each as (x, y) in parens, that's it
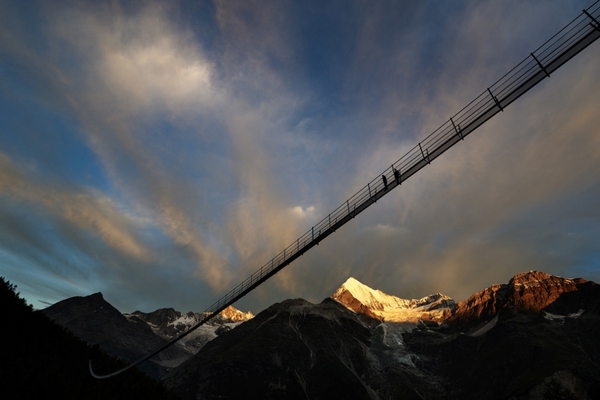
(143, 70)
(90, 212)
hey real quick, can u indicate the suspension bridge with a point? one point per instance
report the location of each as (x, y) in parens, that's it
(539, 65)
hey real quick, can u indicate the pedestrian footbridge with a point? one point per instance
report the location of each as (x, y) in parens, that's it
(539, 65)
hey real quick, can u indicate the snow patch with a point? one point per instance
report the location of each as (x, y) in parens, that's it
(391, 308)
(556, 317)
(393, 341)
(487, 327)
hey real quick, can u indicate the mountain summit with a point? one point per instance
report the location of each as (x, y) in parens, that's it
(535, 336)
(532, 293)
(131, 336)
(361, 299)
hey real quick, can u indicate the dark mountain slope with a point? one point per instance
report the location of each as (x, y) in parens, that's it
(132, 336)
(39, 359)
(96, 321)
(292, 350)
(541, 330)
(535, 338)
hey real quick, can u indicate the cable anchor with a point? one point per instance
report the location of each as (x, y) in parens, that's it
(495, 100)
(457, 129)
(595, 24)
(540, 65)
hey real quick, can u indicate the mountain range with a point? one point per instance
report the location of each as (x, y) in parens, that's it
(384, 307)
(41, 359)
(131, 336)
(535, 337)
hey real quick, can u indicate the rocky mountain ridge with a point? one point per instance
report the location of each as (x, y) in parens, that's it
(533, 338)
(535, 335)
(384, 307)
(40, 359)
(528, 293)
(130, 336)
(168, 322)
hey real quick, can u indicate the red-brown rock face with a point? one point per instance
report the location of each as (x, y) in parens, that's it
(529, 292)
(534, 291)
(348, 300)
(482, 305)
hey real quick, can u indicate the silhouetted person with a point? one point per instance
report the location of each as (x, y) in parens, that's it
(384, 181)
(397, 175)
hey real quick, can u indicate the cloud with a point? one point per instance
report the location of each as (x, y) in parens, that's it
(138, 68)
(304, 212)
(453, 214)
(134, 63)
(141, 68)
(89, 212)
(386, 230)
(64, 241)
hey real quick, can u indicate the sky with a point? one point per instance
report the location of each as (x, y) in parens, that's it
(161, 152)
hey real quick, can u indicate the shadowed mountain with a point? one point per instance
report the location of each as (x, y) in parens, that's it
(40, 359)
(297, 350)
(169, 323)
(533, 338)
(94, 320)
(131, 336)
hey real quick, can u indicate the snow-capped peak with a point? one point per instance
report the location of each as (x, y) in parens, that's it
(374, 299)
(233, 314)
(360, 298)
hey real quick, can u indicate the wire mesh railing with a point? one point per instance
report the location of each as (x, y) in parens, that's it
(559, 49)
